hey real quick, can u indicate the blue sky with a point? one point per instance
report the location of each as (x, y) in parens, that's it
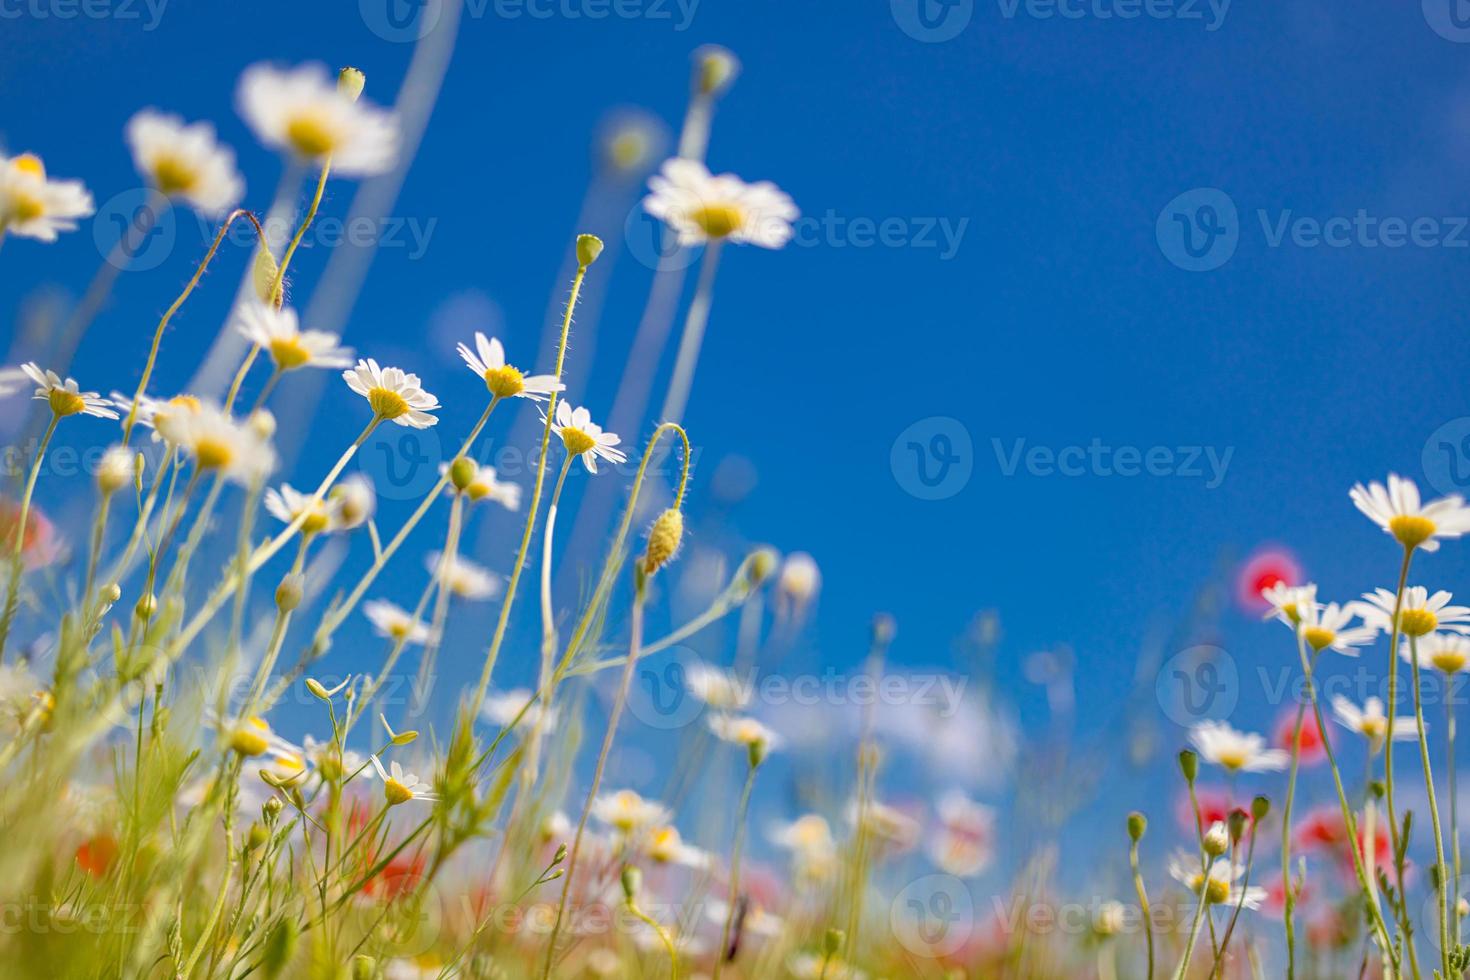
(1056, 312)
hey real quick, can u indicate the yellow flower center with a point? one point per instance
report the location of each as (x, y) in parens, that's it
(1318, 637)
(252, 738)
(1411, 531)
(1449, 661)
(1290, 611)
(387, 404)
(65, 402)
(1373, 728)
(1215, 891)
(310, 136)
(1233, 758)
(1417, 622)
(316, 521)
(329, 764)
(505, 382)
(213, 454)
(174, 176)
(25, 207)
(29, 163)
(718, 220)
(663, 843)
(395, 792)
(289, 353)
(627, 149)
(576, 441)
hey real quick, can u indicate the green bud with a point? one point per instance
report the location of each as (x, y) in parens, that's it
(715, 69)
(462, 472)
(315, 687)
(290, 592)
(1189, 765)
(1236, 823)
(257, 837)
(589, 247)
(561, 855)
(263, 274)
(1260, 806)
(146, 607)
(833, 941)
(350, 82)
(632, 881)
(1137, 824)
(271, 809)
(364, 967)
(663, 539)
(761, 565)
(756, 752)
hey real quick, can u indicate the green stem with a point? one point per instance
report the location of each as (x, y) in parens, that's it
(1445, 949)
(17, 557)
(1148, 925)
(1199, 911)
(734, 894)
(1288, 894)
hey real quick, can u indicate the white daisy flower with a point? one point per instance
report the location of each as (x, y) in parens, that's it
(1398, 511)
(1419, 615)
(965, 844)
(335, 764)
(800, 578)
(34, 206)
(304, 112)
(185, 161)
(1326, 628)
(505, 709)
(1236, 751)
(464, 578)
(1370, 721)
(720, 689)
(400, 787)
(288, 503)
(585, 438)
(1218, 886)
(885, 823)
(663, 845)
(1287, 602)
(353, 501)
(393, 394)
(220, 444)
(394, 623)
(163, 415)
(279, 334)
(627, 812)
(739, 730)
(1448, 653)
(504, 381)
(485, 485)
(64, 397)
(701, 207)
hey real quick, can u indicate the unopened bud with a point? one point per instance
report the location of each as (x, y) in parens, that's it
(257, 837)
(315, 687)
(115, 470)
(589, 247)
(664, 538)
(110, 593)
(262, 423)
(833, 941)
(715, 69)
(1137, 824)
(1217, 839)
(1260, 806)
(271, 809)
(289, 592)
(1189, 765)
(350, 82)
(462, 472)
(1236, 824)
(146, 607)
(632, 881)
(364, 967)
(560, 856)
(263, 274)
(761, 565)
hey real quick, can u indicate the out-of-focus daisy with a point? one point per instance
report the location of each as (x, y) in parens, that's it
(816, 966)
(1219, 885)
(1236, 751)
(701, 207)
(800, 578)
(585, 438)
(627, 812)
(484, 485)
(464, 578)
(306, 113)
(515, 706)
(1326, 628)
(251, 736)
(399, 786)
(1288, 602)
(965, 843)
(757, 922)
(1419, 615)
(809, 839)
(720, 689)
(504, 381)
(34, 206)
(221, 445)
(394, 623)
(1398, 510)
(743, 731)
(885, 824)
(1448, 653)
(1370, 722)
(184, 161)
(393, 394)
(288, 503)
(279, 334)
(333, 763)
(663, 845)
(64, 397)
(162, 415)
(353, 499)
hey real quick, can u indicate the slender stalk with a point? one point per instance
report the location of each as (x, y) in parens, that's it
(419, 696)
(17, 557)
(1288, 903)
(1444, 884)
(1449, 727)
(1199, 912)
(692, 339)
(1250, 857)
(1138, 886)
(735, 850)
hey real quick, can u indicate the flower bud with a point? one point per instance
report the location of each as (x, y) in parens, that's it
(1137, 824)
(146, 607)
(832, 942)
(1217, 839)
(1236, 824)
(110, 593)
(263, 274)
(262, 423)
(289, 592)
(589, 247)
(462, 472)
(761, 565)
(715, 70)
(664, 538)
(280, 947)
(757, 751)
(271, 809)
(115, 470)
(561, 855)
(364, 967)
(1189, 765)
(632, 881)
(257, 837)
(315, 687)
(350, 82)
(1260, 806)
(884, 629)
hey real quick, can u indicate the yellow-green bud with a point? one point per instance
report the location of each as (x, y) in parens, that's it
(761, 565)
(664, 538)
(403, 738)
(756, 752)
(146, 607)
(289, 592)
(263, 274)
(1260, 806)
(280, 947)
(833, 941)
(110, 593)
(1216, 840)
(271, 809)
(115, 470)
(715, 69)
(364, 967)
(462, 472)
(632, 881)
(257, 837)
(589, 247)
(561, 855)
(1137, 824)
(1189, 765)
(350, 82)
(315, 687)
